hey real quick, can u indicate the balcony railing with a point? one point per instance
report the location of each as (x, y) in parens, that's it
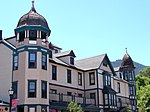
(123, 102)
(62, 98)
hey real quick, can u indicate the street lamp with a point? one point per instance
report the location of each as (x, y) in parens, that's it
(11, 92)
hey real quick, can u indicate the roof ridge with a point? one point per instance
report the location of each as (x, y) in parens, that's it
(91, 57)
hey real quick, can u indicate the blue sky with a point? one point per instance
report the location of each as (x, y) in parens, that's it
(89, 27)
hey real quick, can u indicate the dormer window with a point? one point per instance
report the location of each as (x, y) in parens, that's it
(105, 64)
(32, 35)
(72, 60)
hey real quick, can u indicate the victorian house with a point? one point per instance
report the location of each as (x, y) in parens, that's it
(45, 78)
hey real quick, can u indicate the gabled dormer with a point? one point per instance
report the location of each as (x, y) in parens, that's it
(66, 57)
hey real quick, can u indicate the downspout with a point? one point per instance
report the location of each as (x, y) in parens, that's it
(97, 87)
(84, 100)
(12, 77)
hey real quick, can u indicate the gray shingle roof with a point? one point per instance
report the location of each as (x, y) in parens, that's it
(90, 63)
(65, 53)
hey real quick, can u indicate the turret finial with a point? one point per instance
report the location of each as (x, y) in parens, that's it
(126, 50)
(33, 9)
(32, 3)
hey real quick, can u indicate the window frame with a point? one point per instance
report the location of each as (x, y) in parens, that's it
(118, 87)
(44, 61)
(107, 79)
(79, 79)
(44, 90)
(32, 61)
(112, 99)
(69, 93)
(80, 95)
(35, 89)
(71, 60)
(92, 78)
(54, 72)
(31, 36)
(92, 96)
(21, 36)
(53, 91)
(69, 76)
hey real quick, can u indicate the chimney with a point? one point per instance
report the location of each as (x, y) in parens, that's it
(0, 34)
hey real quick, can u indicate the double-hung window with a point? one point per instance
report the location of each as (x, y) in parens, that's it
(69, 76)
(43, 89)
(44, 61)
(112, 99)
(80, 79)
(92, 78)
(107, 80)
(118, 86)
(31, 88)
(72, 60)
(32, 60)
(54, 72)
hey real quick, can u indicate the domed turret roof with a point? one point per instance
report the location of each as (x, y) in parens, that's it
(127, 61)
(33, 18)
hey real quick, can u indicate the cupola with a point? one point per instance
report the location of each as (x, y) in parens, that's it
(127, 61)
(32, 26)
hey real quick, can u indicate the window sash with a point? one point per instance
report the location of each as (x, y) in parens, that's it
(31, 88)
(68, 76)
(92, 78)
(44, 61)
(44, 89)
(32, 59)
(54, 72)
(118, 85)
(69, 93)
(107, 80)
(72, 60)
(80, 79)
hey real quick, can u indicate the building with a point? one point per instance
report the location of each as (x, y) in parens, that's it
(45, 78)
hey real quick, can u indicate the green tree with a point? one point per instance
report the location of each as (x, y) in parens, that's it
(74, 107)
(143, 93)
(145, 72)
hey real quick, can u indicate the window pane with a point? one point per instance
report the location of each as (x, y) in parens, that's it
(68, 76)
(92, 95)
(44, 89)
(32, 34)
(72, 60)
(79, 78)
(54, 72)
(44, 62)
(32, 60)
(31, 88)
(92, 78)
(32, 56)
